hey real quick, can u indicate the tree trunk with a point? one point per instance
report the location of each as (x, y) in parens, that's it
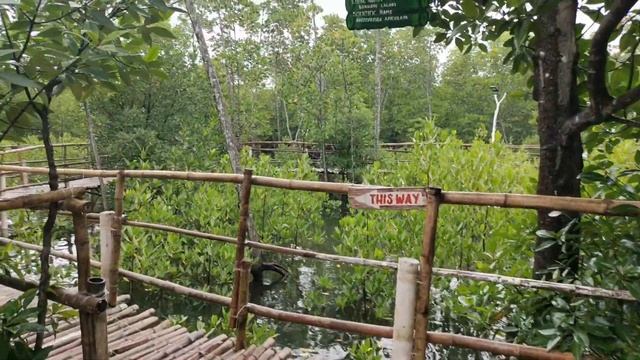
(378, 73)
(47, 231)
(227, 129)
(560, 166)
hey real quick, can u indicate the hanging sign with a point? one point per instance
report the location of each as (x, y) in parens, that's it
(378, 14)
(387, 198)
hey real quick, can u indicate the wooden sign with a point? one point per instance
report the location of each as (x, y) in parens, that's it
(387, 198)
(378, 14)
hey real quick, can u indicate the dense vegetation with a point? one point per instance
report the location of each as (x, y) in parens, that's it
(289, 74)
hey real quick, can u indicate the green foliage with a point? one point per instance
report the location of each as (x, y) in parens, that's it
(367, 349)
(282, 217)
(52, 45)
(17, 319)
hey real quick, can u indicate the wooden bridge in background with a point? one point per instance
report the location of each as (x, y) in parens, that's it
(409, 331)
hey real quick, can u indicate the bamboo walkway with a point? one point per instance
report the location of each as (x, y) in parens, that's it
(135, 334)
(87, 183)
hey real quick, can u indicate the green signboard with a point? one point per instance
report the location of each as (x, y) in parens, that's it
(378, 14)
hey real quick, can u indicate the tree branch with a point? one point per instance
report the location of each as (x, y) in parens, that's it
(598, 93)
(32, 23)
(587, 118)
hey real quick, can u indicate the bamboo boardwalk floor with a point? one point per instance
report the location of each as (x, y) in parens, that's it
(140, 335)
(90, 183)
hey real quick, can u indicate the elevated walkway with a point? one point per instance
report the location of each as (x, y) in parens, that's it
(136, 334)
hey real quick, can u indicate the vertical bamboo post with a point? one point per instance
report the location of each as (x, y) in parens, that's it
(93, 327)
(245, 195)
(4, 217)
(106, 243)
(404, 314)
(116, 234)
(426, 268)
(243, 299)
(24, 175)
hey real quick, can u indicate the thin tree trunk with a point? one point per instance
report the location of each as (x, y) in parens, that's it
(555, 78)
(96, 155)
(378, 74)
(47, 231)
(225, 121)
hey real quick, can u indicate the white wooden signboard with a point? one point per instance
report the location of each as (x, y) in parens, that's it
(387, 198)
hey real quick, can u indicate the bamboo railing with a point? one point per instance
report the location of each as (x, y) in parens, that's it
(435, 199)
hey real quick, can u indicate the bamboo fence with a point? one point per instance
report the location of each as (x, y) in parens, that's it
(536, 202)
(435, 198)
(446, 339)
(573, 289)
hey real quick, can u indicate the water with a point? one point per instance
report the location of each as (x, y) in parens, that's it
(290, 295)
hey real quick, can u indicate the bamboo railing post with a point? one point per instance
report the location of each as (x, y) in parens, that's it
(4, 217)
(245, 195)
(24, 175)
(405, 306)
(93, 326)
(106, 243)
(243, 300)
(426, 268)
(116, 237)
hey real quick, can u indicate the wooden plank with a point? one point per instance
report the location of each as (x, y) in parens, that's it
(387, 198)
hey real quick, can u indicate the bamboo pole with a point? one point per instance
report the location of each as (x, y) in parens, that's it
(405, 305)
(24, 176)
(426, 270)
(543, 202)
(35, 147)
(106, 243)
(243, 227)
(116, 237)
(243, 299)
(63, 296)
(93, 327)
(573, 289)
(34, 200)
(537, 202)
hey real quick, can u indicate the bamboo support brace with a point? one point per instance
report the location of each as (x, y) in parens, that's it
(29, 201)
(116, 237)
(426, 272)
(66, 297)
(243, 227)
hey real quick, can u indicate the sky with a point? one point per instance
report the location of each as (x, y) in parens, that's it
(333, 7)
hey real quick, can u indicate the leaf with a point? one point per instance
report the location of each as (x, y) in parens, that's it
(546, 234)
(152, 54)
(555, 213)
(161, 31)
(545, 245)
(553, 342)
(469, 8)
(18, 79)
(4, 52)
(626, 210)
(548, 332)
(417, 30)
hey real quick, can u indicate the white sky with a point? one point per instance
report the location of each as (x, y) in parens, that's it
(333, 7)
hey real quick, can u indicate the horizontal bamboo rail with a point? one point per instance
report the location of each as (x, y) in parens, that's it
(149, 280)
(537, 202)
(32, 200)
(89, 304)
(446, 339)
(35, 147)
(573, 289)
